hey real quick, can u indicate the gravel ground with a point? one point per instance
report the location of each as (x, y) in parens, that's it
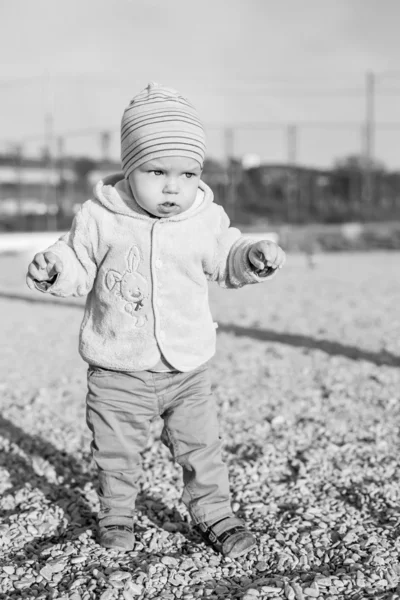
(307, 382)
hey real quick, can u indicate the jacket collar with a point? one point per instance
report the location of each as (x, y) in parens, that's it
(115, 194)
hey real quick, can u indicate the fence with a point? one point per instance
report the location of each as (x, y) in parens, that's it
(277, 170)
(275, 193)
(259, 172)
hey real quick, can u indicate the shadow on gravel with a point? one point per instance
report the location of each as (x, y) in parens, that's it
(374, 506)
(382, 358)
(304, 341)
(68, 494)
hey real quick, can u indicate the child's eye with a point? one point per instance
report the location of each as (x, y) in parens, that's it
(189, 175)
(156, 172)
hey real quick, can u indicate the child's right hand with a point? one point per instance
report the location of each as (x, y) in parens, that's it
(44, 267)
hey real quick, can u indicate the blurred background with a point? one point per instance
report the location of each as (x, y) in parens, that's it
(301, 103)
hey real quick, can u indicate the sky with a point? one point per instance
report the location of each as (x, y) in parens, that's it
(253, 67)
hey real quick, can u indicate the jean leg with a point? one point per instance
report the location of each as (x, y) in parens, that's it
(191, 432)
(120, 407)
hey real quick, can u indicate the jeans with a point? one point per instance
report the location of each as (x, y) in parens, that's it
(120, 407)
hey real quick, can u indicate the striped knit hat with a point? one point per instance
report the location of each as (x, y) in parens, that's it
(160, 122)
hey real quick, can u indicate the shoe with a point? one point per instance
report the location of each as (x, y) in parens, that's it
(116, 533)
(228, 536)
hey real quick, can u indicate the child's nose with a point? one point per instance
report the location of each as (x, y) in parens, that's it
(171, 186)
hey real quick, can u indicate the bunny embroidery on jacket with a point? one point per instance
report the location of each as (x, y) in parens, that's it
(130, 286)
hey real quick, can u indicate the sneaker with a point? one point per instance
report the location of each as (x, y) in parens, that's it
(228, 536)
(116, 533)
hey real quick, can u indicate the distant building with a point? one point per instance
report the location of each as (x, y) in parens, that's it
(31, 189)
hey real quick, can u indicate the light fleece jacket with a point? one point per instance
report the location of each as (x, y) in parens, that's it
(147, 278)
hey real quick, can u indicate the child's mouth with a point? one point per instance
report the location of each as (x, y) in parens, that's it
(167, 205)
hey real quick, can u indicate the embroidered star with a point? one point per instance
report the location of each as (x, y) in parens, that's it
(139, 305)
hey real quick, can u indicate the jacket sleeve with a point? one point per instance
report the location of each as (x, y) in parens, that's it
(76, 251)
(232, 268)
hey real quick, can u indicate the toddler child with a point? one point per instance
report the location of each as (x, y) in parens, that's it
(143, 251)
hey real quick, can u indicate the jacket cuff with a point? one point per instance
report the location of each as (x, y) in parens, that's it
(45, 286)
(250, 272)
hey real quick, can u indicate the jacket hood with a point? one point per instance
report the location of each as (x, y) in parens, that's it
(115, 194)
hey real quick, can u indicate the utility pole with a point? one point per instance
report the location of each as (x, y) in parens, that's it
(292, 180)
(369, 139)
(18, 180)
(60, 154)
(229, 154)
(61, 192)
(105, 146)
(48, 150)
(49, 167)
(292, 144)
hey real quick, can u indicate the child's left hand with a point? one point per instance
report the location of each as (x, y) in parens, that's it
(265, 254)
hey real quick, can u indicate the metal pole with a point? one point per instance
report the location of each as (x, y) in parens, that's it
(229, 154)
(18, 172)
(292, 144)
(369, 139)
(48, 147)
(105, 146)
(291, 182)
(61, 192)
(49, 167)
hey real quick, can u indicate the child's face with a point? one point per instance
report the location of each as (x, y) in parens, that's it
(165, 187)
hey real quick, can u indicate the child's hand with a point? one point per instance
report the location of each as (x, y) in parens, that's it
(266, 255)
(44, 267)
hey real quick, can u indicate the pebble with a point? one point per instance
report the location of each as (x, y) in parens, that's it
(76, 583)
(46, 572)
(22, 583)
(177, 580)
(118, 585)
(324, 581)
(289, 592)
(119, 576)
(350, 537)
(107, 595)
(169, 561)
(57, 566)
(171, 527)
(133, 588)
(8, 569)
(298, 592)
(78, 560)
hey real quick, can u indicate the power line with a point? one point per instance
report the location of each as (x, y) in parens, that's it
(237, 126)
(265, 80)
